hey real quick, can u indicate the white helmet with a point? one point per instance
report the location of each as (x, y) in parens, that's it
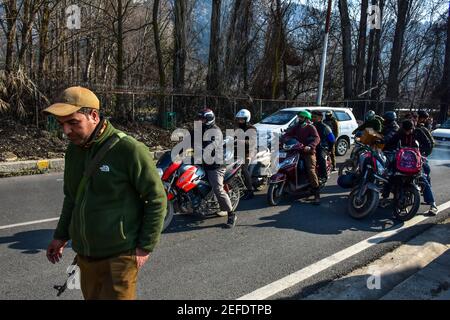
(244, 114)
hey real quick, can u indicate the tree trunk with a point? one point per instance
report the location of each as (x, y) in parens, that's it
(11, 17)
(179, 60)
(361, 51)
(162, 75)
(445, 83)
(237, 45)
(119, 40)
(27, 25)
(212, 81)
(43, 42)
(346, 48)
(392, 91)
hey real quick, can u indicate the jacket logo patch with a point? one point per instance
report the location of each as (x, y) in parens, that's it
(104, 168)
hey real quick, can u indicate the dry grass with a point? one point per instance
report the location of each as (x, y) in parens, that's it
(19, 95)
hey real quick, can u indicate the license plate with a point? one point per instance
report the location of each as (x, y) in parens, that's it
(282, 154)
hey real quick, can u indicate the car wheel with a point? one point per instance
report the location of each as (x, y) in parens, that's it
(342, 147)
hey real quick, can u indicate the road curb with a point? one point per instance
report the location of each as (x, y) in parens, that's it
(30, 167)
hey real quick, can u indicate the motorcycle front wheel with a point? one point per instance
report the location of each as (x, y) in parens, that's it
(275, 193)
(169, 215)
(408, 207)
(361, 208)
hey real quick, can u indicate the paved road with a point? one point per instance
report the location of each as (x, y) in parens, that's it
(196, 259)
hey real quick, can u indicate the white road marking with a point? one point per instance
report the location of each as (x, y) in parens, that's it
(27, 223)
(307, 272)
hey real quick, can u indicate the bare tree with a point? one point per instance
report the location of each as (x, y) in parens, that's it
(361, 50)
(11, 14)
(156, 36)
(179, 60)
(392, 91)
(346, 49)
(445, 83)
(212, 81)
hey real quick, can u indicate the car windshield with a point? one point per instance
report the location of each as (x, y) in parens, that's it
(446, 125)
(280, 117)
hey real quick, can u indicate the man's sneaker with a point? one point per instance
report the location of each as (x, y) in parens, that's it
(248, 195)
(433, 210)
(333, 169)
(231, 222)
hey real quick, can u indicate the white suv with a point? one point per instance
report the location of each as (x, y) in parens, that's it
(283, 119)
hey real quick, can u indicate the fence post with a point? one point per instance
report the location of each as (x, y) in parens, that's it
(260, 109)
(133, 108)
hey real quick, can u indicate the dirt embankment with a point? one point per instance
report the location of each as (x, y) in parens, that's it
(20, 142)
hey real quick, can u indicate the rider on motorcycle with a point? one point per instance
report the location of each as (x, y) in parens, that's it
(407, 136)
(371, 121)
(391, 126)
(242, 121)
(332, 122)
(215, 172)
(307, 135)
(327, 141)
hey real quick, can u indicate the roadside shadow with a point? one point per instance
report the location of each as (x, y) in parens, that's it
(30, 242)
(187, 222)
(329, 218)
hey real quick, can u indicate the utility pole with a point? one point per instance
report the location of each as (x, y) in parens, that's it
(324, 55)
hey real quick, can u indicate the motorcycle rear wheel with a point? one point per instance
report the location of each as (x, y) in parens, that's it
(234, 194)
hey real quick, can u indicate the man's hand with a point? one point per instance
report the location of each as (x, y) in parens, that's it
(141, 257)
(307, 149)
(55, 250)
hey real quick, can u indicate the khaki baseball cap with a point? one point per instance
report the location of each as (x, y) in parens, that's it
(72, 100)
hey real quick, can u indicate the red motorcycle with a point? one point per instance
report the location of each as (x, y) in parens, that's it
(188, 190)
(405, 183)
(291, 177)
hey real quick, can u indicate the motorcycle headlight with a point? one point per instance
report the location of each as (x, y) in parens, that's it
(160, 172)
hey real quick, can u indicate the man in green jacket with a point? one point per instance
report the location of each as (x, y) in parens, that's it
(115, 218)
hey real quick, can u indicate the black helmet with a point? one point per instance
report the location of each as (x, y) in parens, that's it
(317, 113)
(407, 125)
(390, 116)
(347, 181)
(208, 115)
(423, 114)
(370, 115)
